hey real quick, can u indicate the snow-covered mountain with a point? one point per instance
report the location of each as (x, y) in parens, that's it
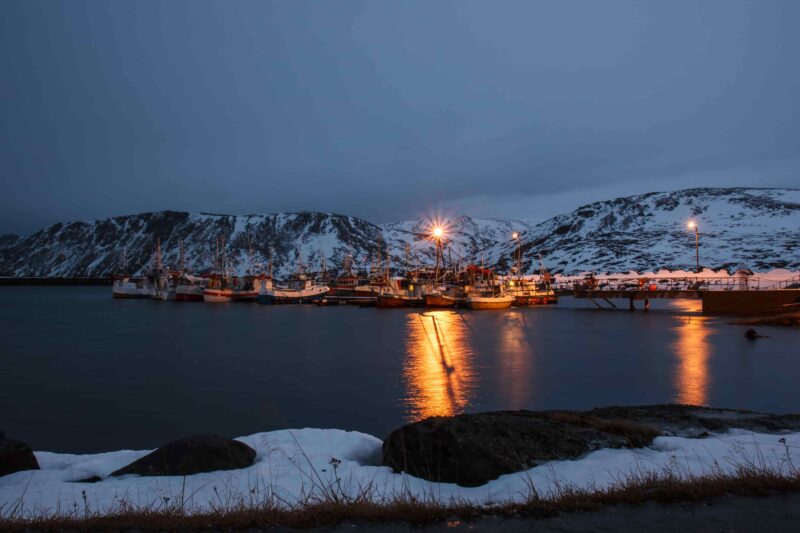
(756, 227)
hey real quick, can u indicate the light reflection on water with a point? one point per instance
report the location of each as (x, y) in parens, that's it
(516, 358)
(693, 351)
(438, 370)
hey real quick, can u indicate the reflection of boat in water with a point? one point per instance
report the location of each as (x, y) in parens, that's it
(298, 291)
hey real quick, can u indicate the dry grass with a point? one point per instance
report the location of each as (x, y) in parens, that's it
(666, 486)
(638, 435)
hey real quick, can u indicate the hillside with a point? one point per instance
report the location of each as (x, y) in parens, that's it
(759, 228)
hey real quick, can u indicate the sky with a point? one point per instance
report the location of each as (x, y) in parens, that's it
(388, 110)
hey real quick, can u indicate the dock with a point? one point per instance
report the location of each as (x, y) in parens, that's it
(717, 296)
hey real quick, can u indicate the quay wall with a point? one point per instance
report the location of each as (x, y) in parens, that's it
(749, 302)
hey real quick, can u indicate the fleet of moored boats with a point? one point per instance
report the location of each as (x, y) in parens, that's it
(471, 286)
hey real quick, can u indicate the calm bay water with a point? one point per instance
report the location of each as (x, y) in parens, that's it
(80, 372)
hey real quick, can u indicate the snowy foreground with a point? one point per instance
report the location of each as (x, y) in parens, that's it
(295, 467)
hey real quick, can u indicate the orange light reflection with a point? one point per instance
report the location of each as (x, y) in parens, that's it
(516, 360)
(438, 368)
(693, 351)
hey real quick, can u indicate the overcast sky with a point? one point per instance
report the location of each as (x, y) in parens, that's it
(388, 110)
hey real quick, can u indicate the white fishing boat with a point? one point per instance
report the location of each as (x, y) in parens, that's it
(295, 292)
(190, 288)
(489, 301)
(128, 287)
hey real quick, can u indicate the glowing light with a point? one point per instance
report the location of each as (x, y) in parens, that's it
(515, 235)
(438, 232)
(692, 224)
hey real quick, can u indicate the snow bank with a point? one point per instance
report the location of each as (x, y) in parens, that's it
(295, 466)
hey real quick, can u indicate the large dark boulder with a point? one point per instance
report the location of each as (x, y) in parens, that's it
(192, 455)
(473, 449)
(15, 456)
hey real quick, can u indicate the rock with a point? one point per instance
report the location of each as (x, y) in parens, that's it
(751, 334)
(192, 455)
(15, 456)
(473, 449)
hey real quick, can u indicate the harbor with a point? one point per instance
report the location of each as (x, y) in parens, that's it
(458, 283)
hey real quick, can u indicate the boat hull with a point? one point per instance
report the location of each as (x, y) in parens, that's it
(284, 296)
(188, 297)
(479, 303)
(535, 300)
(390, 301)
(437, 300)
(123, 289)
(189, 294)
(218, 295)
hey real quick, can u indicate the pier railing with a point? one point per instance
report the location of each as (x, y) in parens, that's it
(691, 283)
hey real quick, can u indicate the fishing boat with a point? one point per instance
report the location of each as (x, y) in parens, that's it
(124, 286)
(437, 299)
(218, 290)
(294, 292)
(531, 292)
(162, 281)
(388, 300)
(489, 301)
(444, 296)
(190, 288)
(222, 289)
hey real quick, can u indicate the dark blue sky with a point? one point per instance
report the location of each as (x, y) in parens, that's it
(388, 110)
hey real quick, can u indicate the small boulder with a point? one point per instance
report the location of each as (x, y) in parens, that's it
(192, 455)
(15, 456)
(751, 334)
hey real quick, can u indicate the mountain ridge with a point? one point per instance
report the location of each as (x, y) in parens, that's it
(757, 227)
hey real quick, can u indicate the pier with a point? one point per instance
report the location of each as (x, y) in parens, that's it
(738, 295)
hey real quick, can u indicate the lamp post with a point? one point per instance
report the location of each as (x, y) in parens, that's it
(517, 254)
(438, 234)
(693, 225)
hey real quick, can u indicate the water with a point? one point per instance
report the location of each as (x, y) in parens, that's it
(80, 372)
